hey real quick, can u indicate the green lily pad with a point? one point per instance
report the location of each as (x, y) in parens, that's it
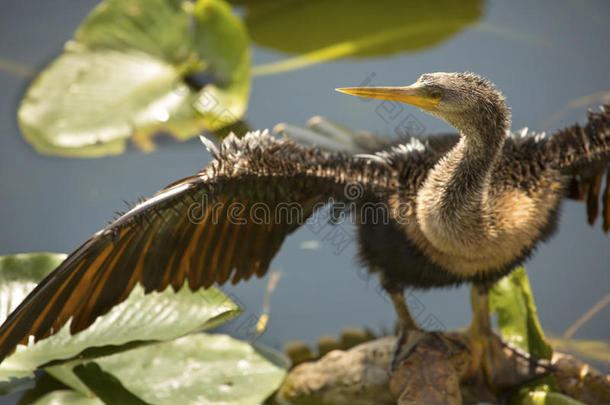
(129, 72)
(200, 368)
(67, 397)
(319, 30)
(140, 318)
(106, 386)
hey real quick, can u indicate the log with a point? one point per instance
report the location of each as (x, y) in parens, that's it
(435, 368)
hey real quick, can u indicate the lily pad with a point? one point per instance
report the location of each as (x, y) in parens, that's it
(67, 397)
(200, 368)
(106, 386)
(319, 30)
(136, 68)
(140, 318)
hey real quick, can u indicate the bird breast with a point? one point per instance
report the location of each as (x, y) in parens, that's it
(491, 230)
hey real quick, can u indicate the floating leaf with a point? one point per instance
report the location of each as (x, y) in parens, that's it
(140, 318)
(62, 397)
(106, 386)
(319, 30)
(136, 68)
(201, 368)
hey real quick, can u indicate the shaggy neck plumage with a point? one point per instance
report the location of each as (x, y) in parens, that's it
(452, 203)
(466, 171)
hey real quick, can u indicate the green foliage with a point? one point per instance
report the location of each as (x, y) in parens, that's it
(124, 76)
(214, 369)
(23, 270)
(548, 398)
(352, 28)
(140, 318)
(105, 386)
(511, 298)
(513, 301)
(67, 397)
(132, 355)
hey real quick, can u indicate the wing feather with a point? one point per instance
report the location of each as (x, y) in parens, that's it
(161, 242)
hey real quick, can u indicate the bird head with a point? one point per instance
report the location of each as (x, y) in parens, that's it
(453, 97)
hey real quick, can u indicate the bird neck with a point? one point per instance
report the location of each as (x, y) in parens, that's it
(465, 173)
(452, 204)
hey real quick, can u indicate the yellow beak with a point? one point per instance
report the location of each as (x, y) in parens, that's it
(414, 94)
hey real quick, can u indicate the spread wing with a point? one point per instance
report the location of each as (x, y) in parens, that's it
(581, 152)
(223, 224)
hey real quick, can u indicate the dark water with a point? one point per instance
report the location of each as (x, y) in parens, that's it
(543, 55)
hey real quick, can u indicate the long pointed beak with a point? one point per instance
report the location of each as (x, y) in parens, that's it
(413, 94)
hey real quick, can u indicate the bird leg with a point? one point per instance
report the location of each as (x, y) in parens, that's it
(481, 323)
(405, 319)
(406, 324)
(479, 330)
(482, 337)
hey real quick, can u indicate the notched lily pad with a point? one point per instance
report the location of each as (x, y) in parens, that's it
(200, 368)
(140, 318)
(127, 75)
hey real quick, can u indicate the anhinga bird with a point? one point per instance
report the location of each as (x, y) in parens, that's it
(459, 209)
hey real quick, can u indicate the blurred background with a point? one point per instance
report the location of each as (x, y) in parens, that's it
(550, 58)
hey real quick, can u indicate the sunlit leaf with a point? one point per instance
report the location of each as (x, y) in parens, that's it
(548, 398)
(319, 30)
(106, 386)
(140, 318)
(136, 68)
(67, 397)
(201, 368)
(513, 301)
(511, 298)
(42, 386)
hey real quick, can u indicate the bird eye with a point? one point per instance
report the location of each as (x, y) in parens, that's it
(436, 93)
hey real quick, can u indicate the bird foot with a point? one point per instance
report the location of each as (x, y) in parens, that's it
(406, 341)
(505, 365)
(406, 328)
(400, 340)
(532, 366)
